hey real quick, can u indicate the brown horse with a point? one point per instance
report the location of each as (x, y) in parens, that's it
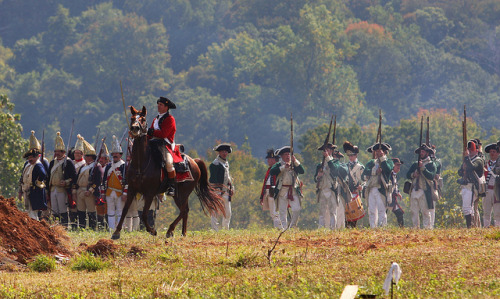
(143, 176)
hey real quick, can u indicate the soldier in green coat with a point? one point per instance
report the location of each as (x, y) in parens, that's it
(422, 174)
(471, 171)
(377, 174)
(286, 185)
(326, 177)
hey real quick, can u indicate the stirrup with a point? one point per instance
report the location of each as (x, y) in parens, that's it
(170, 191)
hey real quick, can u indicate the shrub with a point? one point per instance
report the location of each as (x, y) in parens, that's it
(87, 261)
(42, 263)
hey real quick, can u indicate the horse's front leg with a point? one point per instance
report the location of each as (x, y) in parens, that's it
(148, 199)
(130, 196)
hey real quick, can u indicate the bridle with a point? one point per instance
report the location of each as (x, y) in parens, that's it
(138, 126)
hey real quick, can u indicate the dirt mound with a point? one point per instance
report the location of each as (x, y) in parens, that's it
(103, 248)
(22, 238)
(136, 251)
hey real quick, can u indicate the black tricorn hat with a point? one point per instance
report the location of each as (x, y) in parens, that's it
(223, 147)
(350, 149)
(397, 161)
(424, 147)
(492, 146)
(166, 102)
(281, 151)
(327, 146)
(383, 146)
(270, 154)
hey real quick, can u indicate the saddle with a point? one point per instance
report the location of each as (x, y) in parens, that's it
(182, 166)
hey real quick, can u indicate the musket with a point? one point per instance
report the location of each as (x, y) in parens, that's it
(43, 146)
(380, 128)
(418, 154)
(427, 139)
(97, 158)
(67, 146)
(334, 130)
(464, 131)
(464, 141)
(291, 142)
(324, 146)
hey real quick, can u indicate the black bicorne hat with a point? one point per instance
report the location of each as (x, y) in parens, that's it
(166, 102)
(223, 147)
(328, 146)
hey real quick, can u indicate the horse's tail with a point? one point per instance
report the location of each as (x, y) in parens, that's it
(210, 200)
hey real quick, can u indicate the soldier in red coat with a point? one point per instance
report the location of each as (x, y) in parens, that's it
(162, 137)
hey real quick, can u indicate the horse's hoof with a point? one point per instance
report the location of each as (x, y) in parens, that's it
(153, 232)
(115, 236)
(170, 234)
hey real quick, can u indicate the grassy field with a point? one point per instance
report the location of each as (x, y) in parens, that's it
(452, 263)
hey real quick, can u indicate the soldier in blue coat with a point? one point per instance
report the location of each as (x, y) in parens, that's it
(32, 182)
(223, 182)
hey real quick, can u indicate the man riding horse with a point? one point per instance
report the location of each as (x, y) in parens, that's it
(162, 136)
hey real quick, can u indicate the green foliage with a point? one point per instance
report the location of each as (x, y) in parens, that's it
(88, 262)
(12, 147)
(42, 263)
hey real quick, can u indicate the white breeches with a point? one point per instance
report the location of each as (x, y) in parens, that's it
(272, 210)
(283, 203)
(489, 206)
(418, 204)
(376, 208)
(225, 220)
(59, 201)
(468, 201)
(115, 208)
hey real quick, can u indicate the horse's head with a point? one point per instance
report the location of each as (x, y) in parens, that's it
(138, 123)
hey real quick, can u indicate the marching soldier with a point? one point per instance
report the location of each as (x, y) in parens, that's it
(476, 218)
(438, 182)
(326, 178)
(395, 194)
(162, 137)
(471, 170)
(32, 182)
(285, 185)
(87, 187)
(422, 175)
(61, 177)
(355, 171)
(490, 202)
(115, 189)
(267, 199)
(220, 177)
(79, 163)
(377, 174)
(343, 193)
(496, 189)
(101, 205)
